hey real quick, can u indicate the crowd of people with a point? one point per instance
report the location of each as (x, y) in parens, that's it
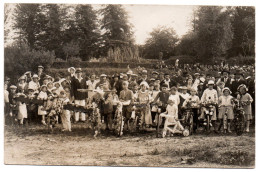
(171, 91)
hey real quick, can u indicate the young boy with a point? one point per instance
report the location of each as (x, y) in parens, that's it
(210, 95)
(193, 101)
(125, 96)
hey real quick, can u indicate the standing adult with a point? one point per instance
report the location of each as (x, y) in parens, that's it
(78, 82)
(41, 74)
(239, 79)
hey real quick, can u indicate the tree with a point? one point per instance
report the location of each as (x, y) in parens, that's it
(162, 39)
(28, 22)
(187, 44)
(87, 33)
(244, 31)
(50, 37)
(116, 27)
(214, 31)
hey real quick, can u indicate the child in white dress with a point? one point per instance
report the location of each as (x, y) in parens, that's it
(226, 103)
(172, 111)
(41, 109)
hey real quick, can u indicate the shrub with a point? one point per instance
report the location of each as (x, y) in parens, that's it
(18, 60)
(74, 61)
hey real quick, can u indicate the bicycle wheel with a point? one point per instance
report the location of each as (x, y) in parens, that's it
(191, 124)
(240, 124)
(208, 123)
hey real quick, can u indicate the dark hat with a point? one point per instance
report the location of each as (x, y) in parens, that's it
(225, 71)
(154, 72)
(166, 74)
(164, 85)
(78, 70)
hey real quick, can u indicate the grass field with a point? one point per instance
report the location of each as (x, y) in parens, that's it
(35, 146)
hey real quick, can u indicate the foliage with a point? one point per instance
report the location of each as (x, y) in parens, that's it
(71, 49)
(28, 23)
(74, 61)
(243, 22)
(19, 60)
(162, 39)
(214, 31)
(117, 34)
(87, 33)
(187, 44)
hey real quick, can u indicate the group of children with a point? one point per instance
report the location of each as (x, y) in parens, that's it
(48, 98)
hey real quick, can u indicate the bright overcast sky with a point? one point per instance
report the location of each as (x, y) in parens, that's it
(146, 17)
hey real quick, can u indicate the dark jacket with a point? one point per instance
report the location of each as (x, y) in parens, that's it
(75, 84)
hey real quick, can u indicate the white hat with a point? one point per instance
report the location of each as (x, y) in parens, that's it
(43, 86)
(13, 87)
(130, 72)
(211, 82)
(35, 76)
(202, 79)
(21, 78)
(71, 68)
(144, 83)
(103, 75)
(226, 88)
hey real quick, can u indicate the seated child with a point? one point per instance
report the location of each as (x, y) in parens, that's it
(172, 113)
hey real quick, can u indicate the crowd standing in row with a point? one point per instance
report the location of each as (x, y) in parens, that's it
(171, 91)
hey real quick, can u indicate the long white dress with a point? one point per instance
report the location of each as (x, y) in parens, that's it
(42, 95)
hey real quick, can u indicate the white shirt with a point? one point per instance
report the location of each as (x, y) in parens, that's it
(91, 85)
(172, 110)
(6, 96)
(175, 98)
(33, 85)
(225, 100)
(210, 95)
(185, 96)
(194, 99)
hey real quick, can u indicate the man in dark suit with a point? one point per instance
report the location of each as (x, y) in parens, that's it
(78, 82)
(225, 78)
(239, 79)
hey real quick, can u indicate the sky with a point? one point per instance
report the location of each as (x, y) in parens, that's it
(147, 17)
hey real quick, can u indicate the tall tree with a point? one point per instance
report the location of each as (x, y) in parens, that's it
(214, 31)
(244, 31)
(50, 37)
(28, 22)
(87, 33)
(116, 27)
(162, 39)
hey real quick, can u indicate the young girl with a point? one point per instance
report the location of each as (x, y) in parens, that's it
(226, 103)
(7, 105)
(246, 101)
(65, 114)
(145, 98)
(41, 109)
(172, 110)
(22, 110)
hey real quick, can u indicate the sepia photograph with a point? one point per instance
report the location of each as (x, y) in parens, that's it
(129, 85)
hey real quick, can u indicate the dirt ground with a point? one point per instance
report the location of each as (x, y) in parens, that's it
(34, 146)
